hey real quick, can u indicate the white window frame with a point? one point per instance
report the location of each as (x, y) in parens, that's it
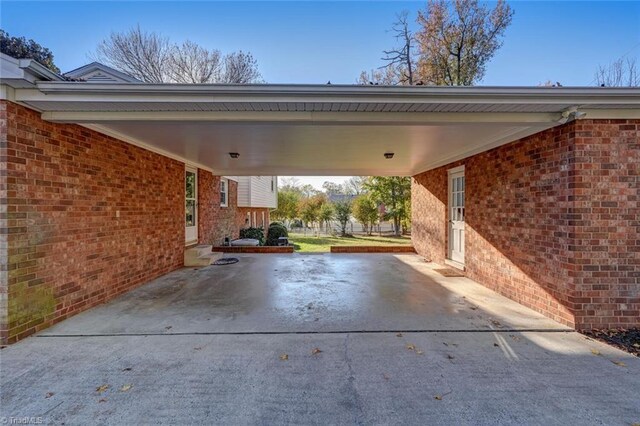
(224, 189)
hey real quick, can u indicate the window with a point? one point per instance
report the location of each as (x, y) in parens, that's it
(224, 192)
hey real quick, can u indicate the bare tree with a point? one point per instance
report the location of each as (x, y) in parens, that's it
(388, 76)
(240, 68)
(457, 40)
(152, 58)
(619, 73)
(191, 63)
(401, 59)
(138, 53)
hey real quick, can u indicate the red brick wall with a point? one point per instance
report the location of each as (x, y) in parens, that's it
(216, 222)
(86, 217)
(540, 224)
(242, 215)
(606, 223)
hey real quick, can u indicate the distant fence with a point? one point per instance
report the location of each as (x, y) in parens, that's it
(352, 228)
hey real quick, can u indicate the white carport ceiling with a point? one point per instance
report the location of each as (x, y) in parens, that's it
(319, 130)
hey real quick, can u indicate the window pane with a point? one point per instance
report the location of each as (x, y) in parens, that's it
(191, 213)
(190, 185)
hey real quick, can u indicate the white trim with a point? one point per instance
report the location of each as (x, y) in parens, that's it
(194, 170)
(456, 170)
(455, 264)
(7, 93)
(226, 192)
(447, 94)
(396, 118)
(127, 139)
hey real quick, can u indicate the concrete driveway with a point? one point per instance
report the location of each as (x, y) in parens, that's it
(398, 343)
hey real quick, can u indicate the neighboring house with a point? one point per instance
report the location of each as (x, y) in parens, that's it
(533, 191)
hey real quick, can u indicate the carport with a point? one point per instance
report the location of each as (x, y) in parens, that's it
(513, 185)
(530, 180)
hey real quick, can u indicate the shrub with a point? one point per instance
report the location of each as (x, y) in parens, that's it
(276, 230)
(254, 233)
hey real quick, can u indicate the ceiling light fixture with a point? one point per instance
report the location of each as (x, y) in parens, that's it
(234, 155)
(388, 155)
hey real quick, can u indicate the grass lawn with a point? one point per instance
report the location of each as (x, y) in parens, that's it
(311, 244)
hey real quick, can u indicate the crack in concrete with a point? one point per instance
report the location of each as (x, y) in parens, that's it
(267, 333)
(357, 401)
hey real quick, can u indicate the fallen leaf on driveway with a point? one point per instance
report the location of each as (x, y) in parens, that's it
(438, 397)
(619, 363)
(399, 335)
(125, 388)
(102, 400)
(127, 369)
(49, 395)
(197, 348)
(419, 352)
(411, 346)
(316, 351)
(168, 327)
(449, 356)
(595, 351)
(102, 388)
(385, 376)
(496, 345)
(284, 357)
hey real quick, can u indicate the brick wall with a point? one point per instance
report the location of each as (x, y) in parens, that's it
(243, 212)
(85, 217)
(549, 222)
(216, 222)
(606, 223)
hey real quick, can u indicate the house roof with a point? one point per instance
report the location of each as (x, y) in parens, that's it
(95, 72)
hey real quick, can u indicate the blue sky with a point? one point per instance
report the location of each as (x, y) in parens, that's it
(313, 42)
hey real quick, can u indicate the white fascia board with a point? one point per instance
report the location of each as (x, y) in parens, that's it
(396, 118)
(280, 90)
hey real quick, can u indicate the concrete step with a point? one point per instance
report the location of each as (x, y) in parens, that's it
(199, 250)
(199, 256)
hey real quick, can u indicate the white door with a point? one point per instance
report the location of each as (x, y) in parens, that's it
(191, 206)
(456, 214)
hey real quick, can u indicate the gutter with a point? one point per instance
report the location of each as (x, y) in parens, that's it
(39, 70)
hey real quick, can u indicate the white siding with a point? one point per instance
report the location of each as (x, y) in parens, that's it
(255, 191)
(244, 191)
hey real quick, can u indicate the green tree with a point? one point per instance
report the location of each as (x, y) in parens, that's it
(393, 192)
(365, 211)
(343, 215)
(457, 39)
(21, 48)
(288, 201)
(309, 209)
(325, 216)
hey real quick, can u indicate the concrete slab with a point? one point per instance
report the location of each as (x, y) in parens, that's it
(306, 293)
(529, 378)
(399, 344)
